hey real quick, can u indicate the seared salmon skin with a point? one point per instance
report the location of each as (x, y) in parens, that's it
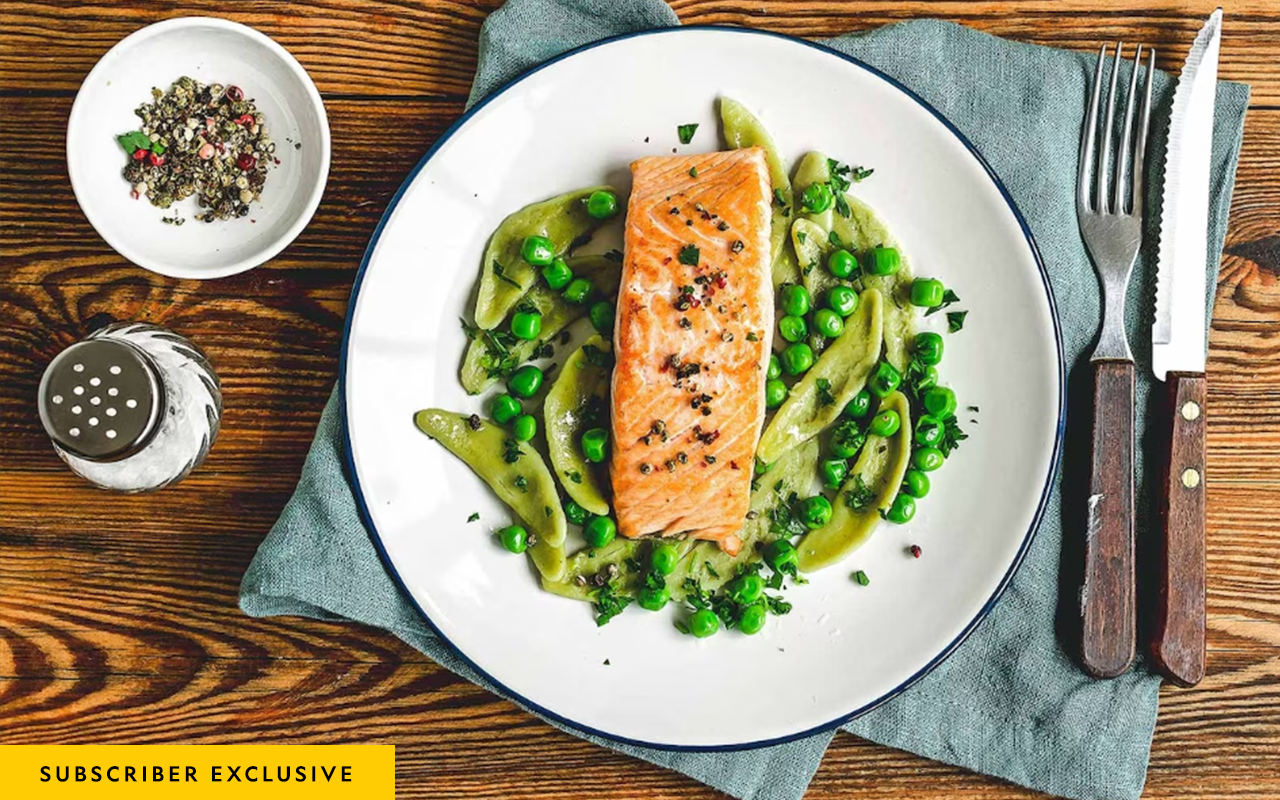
(694, 321)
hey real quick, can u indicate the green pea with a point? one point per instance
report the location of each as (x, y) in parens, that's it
(928, 380)
(663, 559)
(793, 329)
(859, 406)
(526, 325)
(841, 263)
(847, 439)
(525, 382)
(927, 459)
(602, 205)
(781, 555)
(884, 380)
(815, 512)
(828, 323)
(915, 483)
(927, 292)
(653, 599)
(929, 348)
(514, 538)
(503, 408)
(834, 471)
(797, 358)
(940, 402)
(524, 428)
(775, 367)
(602, 317)
(886, 423)
(574, 512)
(751, 619)
(578, 290)
(775, 393)
(902, 510)
(928, 432)
(538, 250)
(795, 300)
(816, 198)
(557, 274)
(704, 623)
(595, 442)
(883, 261)
(842, 300)
(600, 531)
(746, 589)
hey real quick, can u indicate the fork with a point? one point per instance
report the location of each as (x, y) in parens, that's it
(1109, 209)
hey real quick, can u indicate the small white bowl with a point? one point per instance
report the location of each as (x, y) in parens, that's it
(210, 50)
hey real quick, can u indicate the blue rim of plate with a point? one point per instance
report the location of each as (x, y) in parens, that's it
(366, 518)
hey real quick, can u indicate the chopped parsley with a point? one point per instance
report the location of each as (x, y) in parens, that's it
(597, 357)
(860, 497)
(501, 272)
(689, 255)
(511, 451)
(475, 516)
(546, 510)
(574, 476)
(693, 172)
(801, 237)
(952, 436)
(948, 298)
(686, 132)
(752, 336)
(710, 569)
(860, 578)
(608, 604)
(521, 483)
(782, 517)
(835, 241)
(955, 320)
(614, 255)
(825, 397)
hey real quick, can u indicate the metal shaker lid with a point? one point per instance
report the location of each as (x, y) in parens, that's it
(101, 399)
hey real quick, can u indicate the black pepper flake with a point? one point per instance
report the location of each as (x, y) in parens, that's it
(706, 411)
(682, 457)
(645, 469)
(674, 210)
(726, 337)
(474, 422)
(689, 222)
(710, 459)
(685, 323)
(670, 465)
(737, 246)
(723, 226)
(659, 428)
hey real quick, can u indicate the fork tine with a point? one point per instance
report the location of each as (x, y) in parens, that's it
(1104, 157)
(1120, 192)
(1084, 167)
(1140, 147)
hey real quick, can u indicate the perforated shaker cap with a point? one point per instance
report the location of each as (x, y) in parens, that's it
(101, 399)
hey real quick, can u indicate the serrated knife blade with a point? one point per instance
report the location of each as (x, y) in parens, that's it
(1179, 346)
(1178, 333)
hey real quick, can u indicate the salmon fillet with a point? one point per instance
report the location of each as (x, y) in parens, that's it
(695, 313)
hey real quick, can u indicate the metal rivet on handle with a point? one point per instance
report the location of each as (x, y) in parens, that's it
(1190, 410)
(1190, 478)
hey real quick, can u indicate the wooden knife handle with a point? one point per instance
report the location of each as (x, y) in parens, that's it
(1177, 645)
(1107, 598)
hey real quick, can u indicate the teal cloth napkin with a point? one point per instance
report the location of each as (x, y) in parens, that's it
(1008, 702)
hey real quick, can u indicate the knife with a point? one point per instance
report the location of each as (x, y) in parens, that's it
(1179, 346)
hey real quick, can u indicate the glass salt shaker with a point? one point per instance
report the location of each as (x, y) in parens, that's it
(134, 407)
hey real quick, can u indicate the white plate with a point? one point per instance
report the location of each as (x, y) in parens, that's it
(845, 648)
(213, 51)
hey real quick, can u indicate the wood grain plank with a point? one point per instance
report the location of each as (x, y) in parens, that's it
(120, 612)
(428, 49)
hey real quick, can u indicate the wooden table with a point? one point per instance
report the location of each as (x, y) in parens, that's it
(119, 613)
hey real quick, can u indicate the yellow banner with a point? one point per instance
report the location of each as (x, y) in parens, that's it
(198, 772)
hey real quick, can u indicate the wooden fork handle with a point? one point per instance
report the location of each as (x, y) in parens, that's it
(1108, 598)
(1177, 645)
